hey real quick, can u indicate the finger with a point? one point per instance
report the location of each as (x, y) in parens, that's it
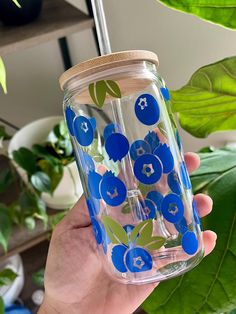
(209, 240)
(78, 216)
(204, 204)
(192, 161)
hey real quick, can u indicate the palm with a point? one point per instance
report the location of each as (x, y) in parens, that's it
(75, 280)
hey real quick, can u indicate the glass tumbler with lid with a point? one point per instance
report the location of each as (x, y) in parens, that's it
(130, 159)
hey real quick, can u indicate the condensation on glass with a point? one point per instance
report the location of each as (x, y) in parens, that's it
(130, 159)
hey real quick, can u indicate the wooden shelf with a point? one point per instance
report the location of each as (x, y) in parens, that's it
(58, 19)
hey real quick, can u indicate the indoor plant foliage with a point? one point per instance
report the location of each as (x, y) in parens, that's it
(7, 276)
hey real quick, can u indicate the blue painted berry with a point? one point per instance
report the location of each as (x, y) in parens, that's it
(146, 109)
(190, 243)
(138, 260)
(117, 256)
(163, 152)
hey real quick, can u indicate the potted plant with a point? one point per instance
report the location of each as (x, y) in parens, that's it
(43, 155)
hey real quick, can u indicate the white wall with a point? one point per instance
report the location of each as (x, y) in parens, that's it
(183, 43)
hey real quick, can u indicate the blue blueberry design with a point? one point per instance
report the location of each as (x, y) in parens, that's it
(117, 146)
(156, 197)
(86, 161)
(70, 115)
(130, 252)
(83, 130)
(148, 209)
(110, 129)
(190, 243)
(93, 207)
(153, 140)
(174, 182)
(196, 215)
(100, 233)
(172, 208)
(112, 190)
(163, 152)
(139, 148)
(165, 93)
(181, 226)
(94, 180)
(146, 109)
(148, 169)
(185, 175)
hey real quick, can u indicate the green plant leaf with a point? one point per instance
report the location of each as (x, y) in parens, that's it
(17, 3)
(3, 82)
(136, 231)
(5, 227)
(115, 231)
(38, 278)
(41, 182)
(222, 12)
(30, 223)
(2, 309)
(53, 171)
(208, 102)
(6, 179)
(41, 152)
(97, 92)
(26, 159)
(113, 89)
(210, 287)
(3, 133)
(7, 276)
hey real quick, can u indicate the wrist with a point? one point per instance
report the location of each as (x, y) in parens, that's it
(50, 306)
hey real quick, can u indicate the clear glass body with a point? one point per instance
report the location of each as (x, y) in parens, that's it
(133, 173)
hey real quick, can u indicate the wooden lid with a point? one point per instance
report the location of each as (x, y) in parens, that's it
(113, 59)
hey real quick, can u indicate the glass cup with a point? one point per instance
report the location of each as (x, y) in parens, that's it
(130, 159)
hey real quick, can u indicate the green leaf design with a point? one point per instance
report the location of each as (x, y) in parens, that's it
(25, 159)
(208, 102)
(97, 92)
(145, 235)
(135, 232)
(115, 231)
(17, 3)
(156, 243)
(113, 89)
(210, 287)
(221, 12)
(5, 227)
(3, 82)
(41, 182)
(7, 276)
(126, 209)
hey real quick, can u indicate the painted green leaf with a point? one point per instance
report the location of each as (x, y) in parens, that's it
(156, 243)
(97, 92)
(2, 310)
(208, 102)
(136, 231)
(145, 235)
(3, 82)
(115, 231)
(41, 182)
(113, 89)
(5, 227)
(126, 209)
(221, 12)
(210, 287)
(7, 276)
(98, 157)
(17, 3)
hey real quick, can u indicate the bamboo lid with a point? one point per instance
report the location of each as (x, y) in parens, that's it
(114, 59)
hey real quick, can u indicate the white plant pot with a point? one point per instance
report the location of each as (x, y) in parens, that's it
(69, 189)
(10, 293)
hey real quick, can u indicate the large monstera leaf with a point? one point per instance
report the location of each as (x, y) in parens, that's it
(207, 103)
(210, 287)
(221, 12)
